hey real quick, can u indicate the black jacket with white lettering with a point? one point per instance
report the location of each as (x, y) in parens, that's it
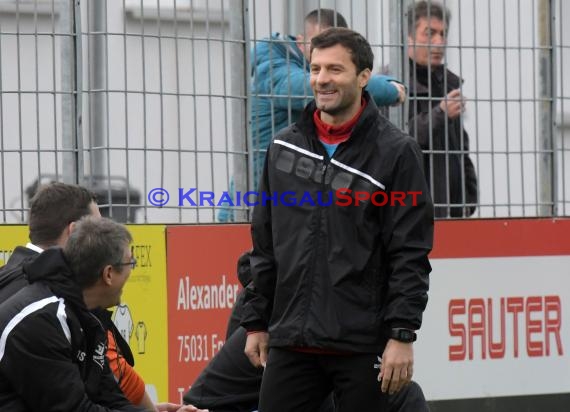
(52, 349)
(13, 278)
(338, 277)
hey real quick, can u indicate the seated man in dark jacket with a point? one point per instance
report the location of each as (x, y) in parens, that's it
(52, 348)
(53, 210)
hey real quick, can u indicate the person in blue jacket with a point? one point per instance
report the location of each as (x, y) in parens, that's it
(280, 87)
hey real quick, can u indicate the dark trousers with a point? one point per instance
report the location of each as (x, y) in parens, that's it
(229, 383)
(300, 382)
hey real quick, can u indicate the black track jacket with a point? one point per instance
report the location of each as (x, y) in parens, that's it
(338, 277)
(12, 277)
(52, 349)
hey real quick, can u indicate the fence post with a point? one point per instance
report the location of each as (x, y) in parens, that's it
(398, 54)
(97, 105)
(239, 87)
(546, 171)
(70, 102)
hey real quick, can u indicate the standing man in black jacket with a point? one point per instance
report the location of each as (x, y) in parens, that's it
(436, 110)
(339, 287)
(52, 347)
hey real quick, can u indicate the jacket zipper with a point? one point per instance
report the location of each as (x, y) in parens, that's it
(317, 250)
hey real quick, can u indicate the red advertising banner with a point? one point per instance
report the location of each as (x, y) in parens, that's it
(501, 237)
(202, 287)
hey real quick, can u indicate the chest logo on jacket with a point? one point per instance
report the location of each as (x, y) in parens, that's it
(99, 354)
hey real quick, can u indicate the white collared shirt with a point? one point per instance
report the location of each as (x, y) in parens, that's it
(34, 247)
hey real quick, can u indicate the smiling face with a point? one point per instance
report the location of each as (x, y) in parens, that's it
(428, 47)
(336, 84)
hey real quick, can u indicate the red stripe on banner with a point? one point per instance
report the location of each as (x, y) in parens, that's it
(495, 238)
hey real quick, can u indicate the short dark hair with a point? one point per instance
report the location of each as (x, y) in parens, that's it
(53, 207)
(326, 18)
(360, 50)
(94, 243)
(426, 9)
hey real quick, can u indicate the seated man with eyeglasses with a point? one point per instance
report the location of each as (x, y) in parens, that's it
(54, 210)
(52, 346)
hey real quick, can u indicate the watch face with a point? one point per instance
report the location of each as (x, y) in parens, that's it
(406, 335)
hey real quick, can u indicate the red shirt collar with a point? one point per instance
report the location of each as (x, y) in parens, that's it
(330, 134)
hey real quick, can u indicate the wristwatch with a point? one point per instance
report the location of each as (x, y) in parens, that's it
(403, 335)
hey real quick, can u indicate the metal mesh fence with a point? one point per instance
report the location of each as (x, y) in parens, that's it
(148, 102)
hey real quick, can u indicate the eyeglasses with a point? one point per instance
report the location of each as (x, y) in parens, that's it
(132, 263)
